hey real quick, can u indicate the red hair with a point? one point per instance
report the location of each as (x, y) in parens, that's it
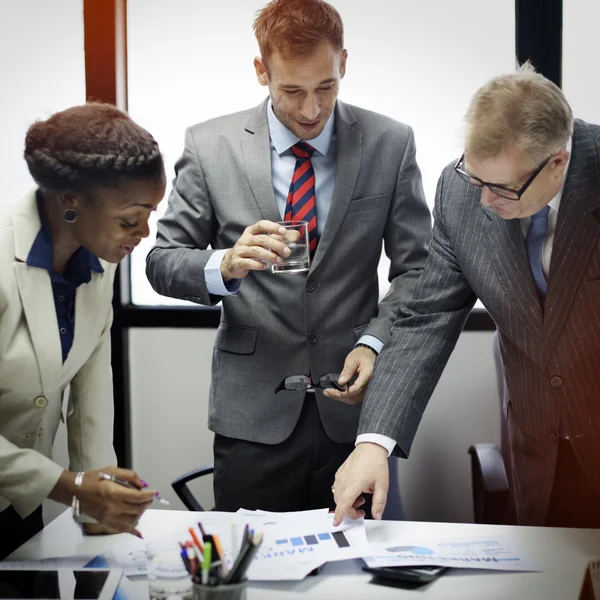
(294, 28)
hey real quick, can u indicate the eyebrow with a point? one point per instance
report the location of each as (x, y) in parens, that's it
(291, 86)
(149, 206)
(509, 186)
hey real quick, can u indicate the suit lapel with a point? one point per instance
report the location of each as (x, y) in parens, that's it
(576, 236)
(506, 249)
(349, 156)
(35, 290)
(256, 152)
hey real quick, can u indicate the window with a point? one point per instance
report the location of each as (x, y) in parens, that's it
(417, 62)
(580, 84)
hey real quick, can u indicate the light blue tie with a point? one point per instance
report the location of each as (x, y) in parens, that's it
(536, 236)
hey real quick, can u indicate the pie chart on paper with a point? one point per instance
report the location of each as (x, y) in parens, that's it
(420, 550)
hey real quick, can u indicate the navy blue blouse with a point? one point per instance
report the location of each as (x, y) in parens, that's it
(79, 270)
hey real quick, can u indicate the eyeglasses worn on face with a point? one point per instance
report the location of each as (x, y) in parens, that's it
(304, 382)
(498, 189)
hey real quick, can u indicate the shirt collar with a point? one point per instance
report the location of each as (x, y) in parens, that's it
(555, 202)
(81, 264)
(283, 139)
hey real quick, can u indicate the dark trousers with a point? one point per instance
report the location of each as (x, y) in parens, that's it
(573, 502)
(15, 531)
(294, 475)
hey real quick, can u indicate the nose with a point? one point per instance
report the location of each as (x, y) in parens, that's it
(144, 229)
(309, 110)
(487, 196)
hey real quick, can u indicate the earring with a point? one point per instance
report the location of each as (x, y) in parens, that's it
(70, 215)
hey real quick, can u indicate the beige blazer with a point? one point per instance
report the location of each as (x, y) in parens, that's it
(33, 379)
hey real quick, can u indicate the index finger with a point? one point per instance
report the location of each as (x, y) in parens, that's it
(131, 496)
(344, 506)
(265, 226)
(128, 475)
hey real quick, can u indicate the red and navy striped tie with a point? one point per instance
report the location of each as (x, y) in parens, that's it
(301, 205)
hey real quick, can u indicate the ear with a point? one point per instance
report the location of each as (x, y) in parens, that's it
(560, 161)
(69, 199)
(343, 63)
(261, 71)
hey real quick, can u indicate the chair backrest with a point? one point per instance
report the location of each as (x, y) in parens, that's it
(181, 488)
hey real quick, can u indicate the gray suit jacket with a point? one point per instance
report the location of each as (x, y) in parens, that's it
(280, 325)
(551, 357)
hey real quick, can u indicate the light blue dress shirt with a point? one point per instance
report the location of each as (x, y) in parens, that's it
(283, 163)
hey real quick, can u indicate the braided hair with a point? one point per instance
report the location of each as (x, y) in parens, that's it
(90, 146)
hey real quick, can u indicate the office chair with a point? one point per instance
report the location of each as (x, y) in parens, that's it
(492, 501)
(394, 511)
(184, 493)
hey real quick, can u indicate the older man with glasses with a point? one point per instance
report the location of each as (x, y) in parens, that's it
(516, 225)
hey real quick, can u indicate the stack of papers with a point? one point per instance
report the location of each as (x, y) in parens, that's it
(294, 544)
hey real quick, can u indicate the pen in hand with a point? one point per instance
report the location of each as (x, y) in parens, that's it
(125, 483)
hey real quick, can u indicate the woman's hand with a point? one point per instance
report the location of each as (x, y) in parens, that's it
(98, 529)
(111, 504)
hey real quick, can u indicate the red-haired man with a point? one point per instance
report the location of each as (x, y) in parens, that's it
(352, 174)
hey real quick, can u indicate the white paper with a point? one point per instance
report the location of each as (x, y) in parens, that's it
(293, 543)
(498, 554)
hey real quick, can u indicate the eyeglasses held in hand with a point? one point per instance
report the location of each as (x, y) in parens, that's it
(298, 383)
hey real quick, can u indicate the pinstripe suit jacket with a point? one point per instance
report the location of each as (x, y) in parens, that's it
(551, 354)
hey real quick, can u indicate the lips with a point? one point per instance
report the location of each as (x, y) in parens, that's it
(128, 248)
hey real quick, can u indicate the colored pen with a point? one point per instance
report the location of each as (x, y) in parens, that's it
(220, 555)
(184, 558)
(206, 562)
(237, 575)
(195, 538)
(128, 484)
(191, 555)
(201, 529)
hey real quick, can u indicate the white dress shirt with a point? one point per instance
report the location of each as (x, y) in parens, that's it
(389, 443)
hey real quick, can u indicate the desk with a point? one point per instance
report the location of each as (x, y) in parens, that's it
(564, 553)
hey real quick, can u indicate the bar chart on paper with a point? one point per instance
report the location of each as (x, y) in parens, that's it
(335, 537)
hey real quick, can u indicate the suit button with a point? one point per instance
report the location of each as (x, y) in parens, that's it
(40, 402)
(553, 436)
(311, 286)
(312, 338)
(556, 382)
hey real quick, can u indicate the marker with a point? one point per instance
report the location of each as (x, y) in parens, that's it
(206, 562)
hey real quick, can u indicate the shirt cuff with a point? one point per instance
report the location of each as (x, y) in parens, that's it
(214, 279)
(372, 342)
(375, 438)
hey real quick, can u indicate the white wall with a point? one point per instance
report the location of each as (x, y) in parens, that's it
(42, 71)
(580, 58)
(170, 375)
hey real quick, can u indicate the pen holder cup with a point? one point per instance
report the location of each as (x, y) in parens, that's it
(234, 591)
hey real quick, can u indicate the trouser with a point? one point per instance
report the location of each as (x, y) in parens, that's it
(573, 502)
(15, 531)
(296, 474)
